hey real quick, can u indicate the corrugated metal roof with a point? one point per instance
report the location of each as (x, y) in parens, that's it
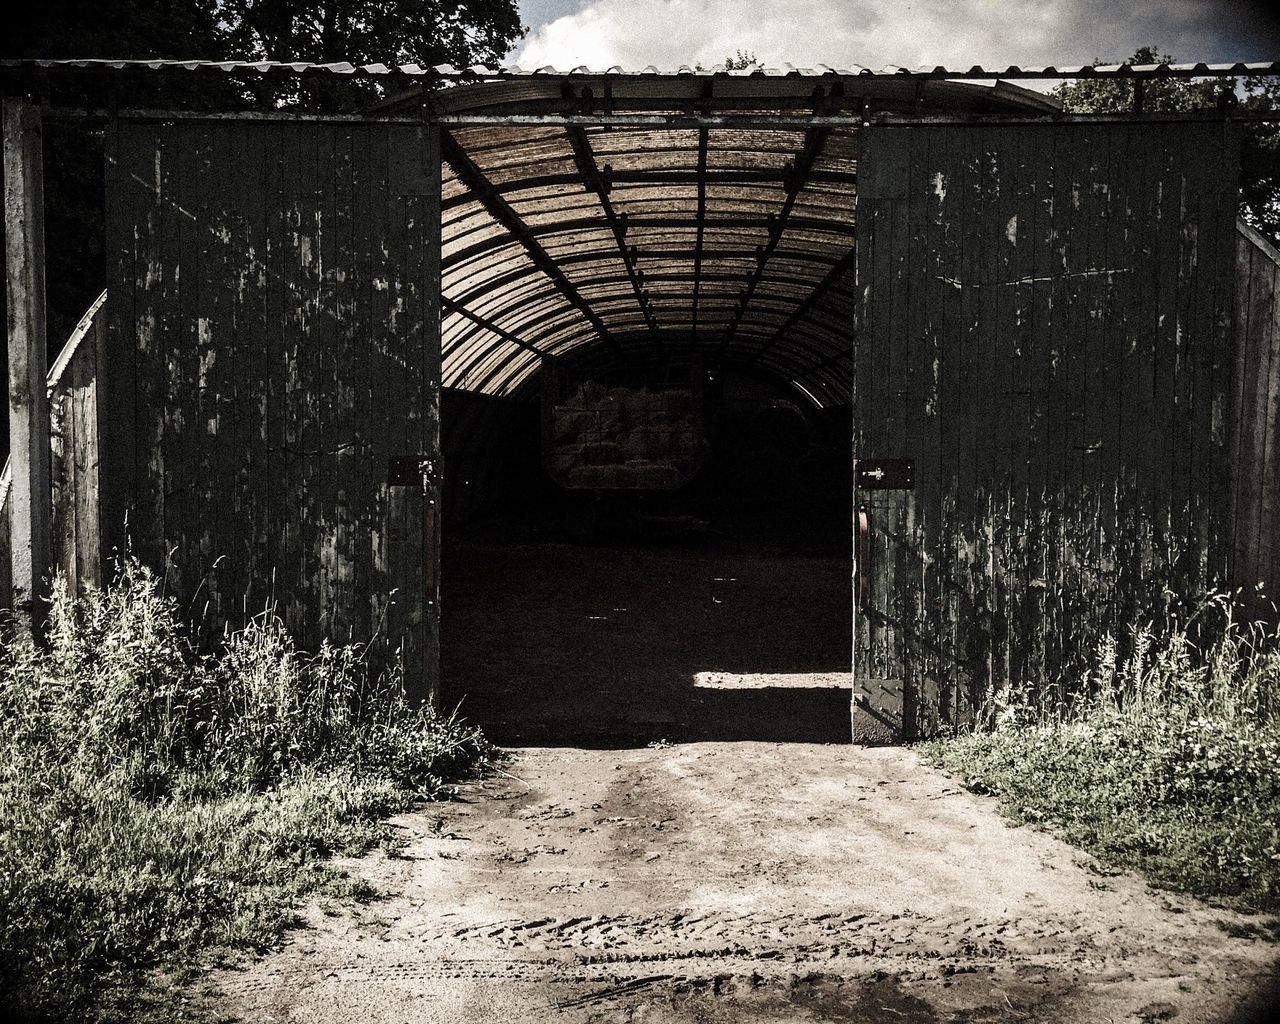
(482, 72)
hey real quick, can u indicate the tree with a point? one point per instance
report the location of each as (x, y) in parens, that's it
(1260, 156)
(426, 32)
(738, 61)
(741, 60)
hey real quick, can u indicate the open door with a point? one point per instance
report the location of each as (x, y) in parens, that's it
(270, 407)
(1042, 374)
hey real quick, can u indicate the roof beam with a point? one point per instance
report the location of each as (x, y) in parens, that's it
(704, 136)
(831, 360)
(677, 254)
(812, 300)
(484, 288)
(831, 227)
(601, 185)
(729, 176)
(474, 179)
(815, 140)
(480, 321)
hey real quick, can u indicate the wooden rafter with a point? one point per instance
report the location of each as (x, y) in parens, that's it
(601, 185)
(586, 223)
(810, 301)
(501, 211)
(704, 136)
(481, 321)
(727, 176)
(815, 140)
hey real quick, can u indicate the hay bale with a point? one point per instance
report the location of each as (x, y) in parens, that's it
(572, 425)
(654, 476)
(602, 453)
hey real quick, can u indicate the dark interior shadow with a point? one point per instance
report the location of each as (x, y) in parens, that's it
(615, 646)
(770, 714)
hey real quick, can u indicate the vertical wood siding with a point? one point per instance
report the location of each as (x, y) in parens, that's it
(1045, 328)
(73, 430)
(273, 344)
(1257, 452)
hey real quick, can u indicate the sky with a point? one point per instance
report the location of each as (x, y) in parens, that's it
(875, 33)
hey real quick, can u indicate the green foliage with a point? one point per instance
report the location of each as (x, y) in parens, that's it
(739, 60)
(1169, 763)
(155, 803)
(461, 32)
(1260, 156)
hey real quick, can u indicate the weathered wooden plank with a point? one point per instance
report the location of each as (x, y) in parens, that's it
(62, 483)
(410, 387)
(85, 455)
(325, 342)
(31, 540)
(1221, 437)
(276, 494)
(1256, 518)
(1062, 520)
(304, 352)
(186, 435)
(6, 551)
(366, 474)
(250, 480)
(1245, 420)
(430, 392)
(1268, 557)
(343, 460)
(381, 325)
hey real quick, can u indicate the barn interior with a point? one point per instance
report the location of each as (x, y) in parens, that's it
(647, 337)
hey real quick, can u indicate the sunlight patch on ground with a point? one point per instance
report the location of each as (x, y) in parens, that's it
(772, 680)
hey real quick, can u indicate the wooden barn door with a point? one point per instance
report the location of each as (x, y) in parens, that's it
(1042, 414)
(271, 388)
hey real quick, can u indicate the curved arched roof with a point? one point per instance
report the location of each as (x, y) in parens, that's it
(626, 243)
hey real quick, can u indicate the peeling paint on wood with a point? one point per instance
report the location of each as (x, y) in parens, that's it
(1045, 330)
(1256, 508)
(273, 340)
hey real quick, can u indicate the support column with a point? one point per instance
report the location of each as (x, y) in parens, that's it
(29, 497)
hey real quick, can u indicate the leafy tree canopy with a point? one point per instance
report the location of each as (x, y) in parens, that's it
(425, 32)
(1260, 157)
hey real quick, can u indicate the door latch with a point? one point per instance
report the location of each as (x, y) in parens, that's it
(413, 471)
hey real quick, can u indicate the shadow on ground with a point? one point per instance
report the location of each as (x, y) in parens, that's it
(592, 646)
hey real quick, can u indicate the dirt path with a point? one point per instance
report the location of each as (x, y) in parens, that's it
(746, 881)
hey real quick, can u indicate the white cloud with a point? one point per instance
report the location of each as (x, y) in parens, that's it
(666, 33)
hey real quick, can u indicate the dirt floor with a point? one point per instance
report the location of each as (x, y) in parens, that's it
(684, 834)
(620, 646)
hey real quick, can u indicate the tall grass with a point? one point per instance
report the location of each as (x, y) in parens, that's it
(1209, 665)
(157, 802)
(1167, 759)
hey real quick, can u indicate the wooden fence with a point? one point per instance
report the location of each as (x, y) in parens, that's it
(73, 415)
(1257, 443)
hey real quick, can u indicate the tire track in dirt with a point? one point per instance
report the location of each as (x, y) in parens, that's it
(744, 882)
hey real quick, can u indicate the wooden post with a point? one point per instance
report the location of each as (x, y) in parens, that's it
(29, 499)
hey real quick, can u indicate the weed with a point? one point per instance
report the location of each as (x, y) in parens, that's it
(1168, 760)
(157, 803)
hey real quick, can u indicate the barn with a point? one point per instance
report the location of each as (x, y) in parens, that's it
(840, 399)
